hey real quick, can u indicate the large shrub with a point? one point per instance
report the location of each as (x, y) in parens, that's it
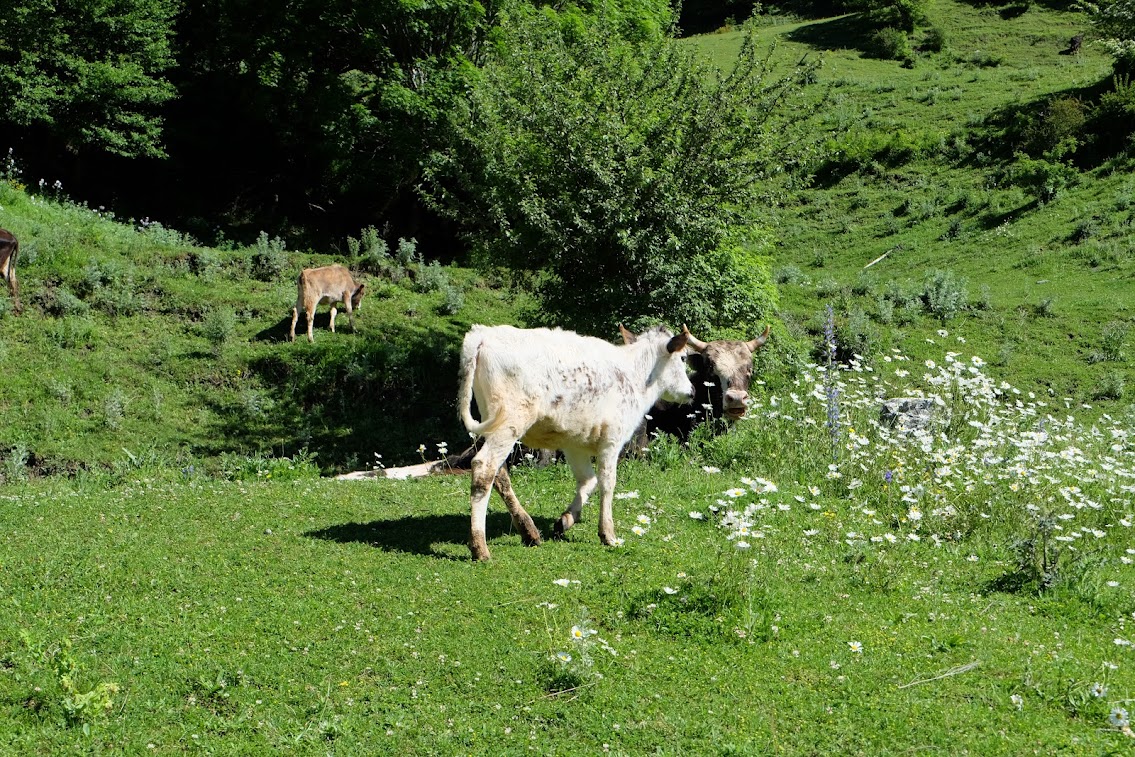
(626, 177)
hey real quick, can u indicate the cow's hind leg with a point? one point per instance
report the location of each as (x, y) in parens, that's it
(486, 463)
(521, 520)
(585, 482)
(607, 462)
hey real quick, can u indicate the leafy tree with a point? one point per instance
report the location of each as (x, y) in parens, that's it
(1114, 21)
(626, 178)
(91, 74)
(313, 108)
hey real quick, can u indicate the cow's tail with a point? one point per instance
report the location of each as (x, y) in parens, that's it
(468, 369)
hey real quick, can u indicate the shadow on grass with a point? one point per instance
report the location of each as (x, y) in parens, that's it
(279, 331)
(421, 534)
(849, 32)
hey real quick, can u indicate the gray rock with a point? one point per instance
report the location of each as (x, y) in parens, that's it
(907, 413)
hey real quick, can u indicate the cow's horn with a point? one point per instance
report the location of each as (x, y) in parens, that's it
(628, 337)
(696, 344)
(757, 343)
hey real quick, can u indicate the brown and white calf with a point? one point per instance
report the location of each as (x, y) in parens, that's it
(9, 250)
(721, 372)
(333, 283)
(555, 389)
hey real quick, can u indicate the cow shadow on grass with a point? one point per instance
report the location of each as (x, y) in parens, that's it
(278, 332)
(423, 534)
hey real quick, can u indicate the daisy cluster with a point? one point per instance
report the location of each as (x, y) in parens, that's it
(988, 452)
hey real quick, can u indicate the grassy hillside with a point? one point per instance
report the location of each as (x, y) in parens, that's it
(919, 166)
(137, 344)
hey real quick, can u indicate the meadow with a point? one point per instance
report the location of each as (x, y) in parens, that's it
(180, 573)
(814, 582)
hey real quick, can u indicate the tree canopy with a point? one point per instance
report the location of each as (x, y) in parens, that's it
(93, 74)
(627, 176)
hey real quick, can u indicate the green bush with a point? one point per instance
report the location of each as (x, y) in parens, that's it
(432, 278)
(1114, 115)
(788, 274)
(1113, 341)
(935, 40)
(453, 299)
(888, 43)
(270, 260)
(900, 14)
(1057, 130)
(218, 328)
(944, 295)
(1042, 179)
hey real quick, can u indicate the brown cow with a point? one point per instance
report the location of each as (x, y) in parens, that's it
(332, 283)
(721, 371)
(9, 249)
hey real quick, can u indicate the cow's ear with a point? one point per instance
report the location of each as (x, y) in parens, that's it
(360, 289)
(628, 337)
(678, 343)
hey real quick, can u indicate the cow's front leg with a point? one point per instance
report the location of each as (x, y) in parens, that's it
(295, 318)
(607, 463)
(521, 520)
(585, 482)
(350, 314)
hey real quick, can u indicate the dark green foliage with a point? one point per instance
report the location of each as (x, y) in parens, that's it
(934, 41)
(1056, 130)
(900, 14)
(91, 75)
(889, 44)
(1043, 179)
(1113, 120)
(627, 178)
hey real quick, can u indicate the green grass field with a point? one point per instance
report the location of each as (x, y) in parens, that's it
(964, 591)
(178, 573)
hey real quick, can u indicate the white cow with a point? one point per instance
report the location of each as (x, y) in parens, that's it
(555, 389)
(333, 283)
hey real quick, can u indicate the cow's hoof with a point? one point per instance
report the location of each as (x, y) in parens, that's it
(558, 530)
(531, 541)
(478, 548)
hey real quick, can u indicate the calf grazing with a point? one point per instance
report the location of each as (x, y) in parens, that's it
(721, 373)
(556, 389)
(332, 283)
(9, 250)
